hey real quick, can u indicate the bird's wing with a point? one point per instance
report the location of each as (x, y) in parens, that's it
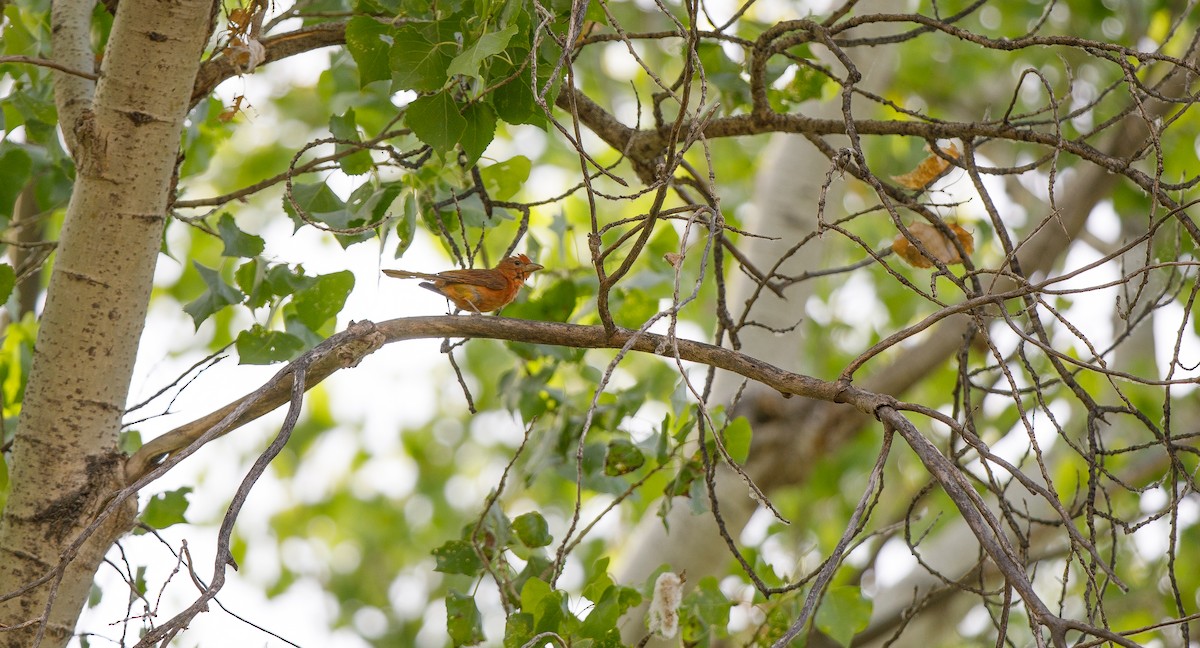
(482, 278)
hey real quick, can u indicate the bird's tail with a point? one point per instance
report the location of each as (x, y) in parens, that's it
(405, 274)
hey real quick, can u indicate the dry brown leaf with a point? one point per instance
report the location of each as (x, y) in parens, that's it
(928, 170)
(935, 242)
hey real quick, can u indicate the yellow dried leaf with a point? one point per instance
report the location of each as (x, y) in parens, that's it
(940, 247)
(927, 171)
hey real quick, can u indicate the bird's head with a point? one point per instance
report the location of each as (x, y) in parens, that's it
(518, 266)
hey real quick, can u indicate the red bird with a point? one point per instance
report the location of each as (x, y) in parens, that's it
(477, 290)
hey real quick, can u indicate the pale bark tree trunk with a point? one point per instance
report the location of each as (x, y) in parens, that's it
(65, 458)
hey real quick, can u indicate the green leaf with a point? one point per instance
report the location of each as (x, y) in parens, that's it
(706, 612)
(532, 594)
(370, 204)
(8, 280)
(737, 439)
(843, 613)
(218, 296)
(688, 473)
(344, 127)
(129, 443)
(166, 509)
(599, 582)
(238, 243)
(532, 530)
(536, 567)
(457, 557)
(514, 100)
(467, 63)
(463, 620)
(320, 204)
(550, 612)
(437, 121)
(601, 623)
(406, 226)
(504, 179)
(283, 280)
(250, 277)
(95, 595)
(322, 300)
(368, 41)
(518, 630)
(622, 458)
(480, 130)
(17, 165)
(259, 345)
(420, 56)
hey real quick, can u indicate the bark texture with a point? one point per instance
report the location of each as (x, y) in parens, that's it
(65, 457)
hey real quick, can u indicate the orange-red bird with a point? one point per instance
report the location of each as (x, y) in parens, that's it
(477, 290)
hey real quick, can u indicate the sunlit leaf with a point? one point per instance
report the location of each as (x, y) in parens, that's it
(504, 179)
(468, 62)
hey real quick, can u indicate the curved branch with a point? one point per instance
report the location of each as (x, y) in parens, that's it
(365, 337)
(219, 68)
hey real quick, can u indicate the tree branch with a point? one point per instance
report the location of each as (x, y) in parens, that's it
(53, 65)
(365, 337)
(219, 68)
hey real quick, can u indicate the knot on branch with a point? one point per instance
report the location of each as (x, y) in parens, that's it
(364, 339)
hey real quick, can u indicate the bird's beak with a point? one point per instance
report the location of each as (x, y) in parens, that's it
(533, 267)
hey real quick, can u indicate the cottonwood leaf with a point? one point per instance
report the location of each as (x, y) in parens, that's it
(238, 243)
(259, 345)
(467, 63)
(166, 509)
(436, 120)
(368, 41)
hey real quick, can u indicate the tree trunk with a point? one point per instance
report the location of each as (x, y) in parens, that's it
(65, 458)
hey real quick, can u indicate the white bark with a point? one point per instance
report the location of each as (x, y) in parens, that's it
(65, 458)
